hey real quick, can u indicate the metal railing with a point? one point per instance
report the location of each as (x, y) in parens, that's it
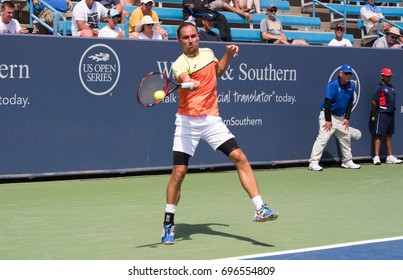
(344, 14)
(57, 16)
(388, 21)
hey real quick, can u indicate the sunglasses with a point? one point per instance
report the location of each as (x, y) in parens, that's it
(273, 11)
(394, 37)
(348, 73)
(150, 24)
(115, 18)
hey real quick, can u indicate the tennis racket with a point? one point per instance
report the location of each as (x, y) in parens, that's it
(153, 82)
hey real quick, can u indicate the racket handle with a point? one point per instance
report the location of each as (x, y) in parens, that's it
(187, 85)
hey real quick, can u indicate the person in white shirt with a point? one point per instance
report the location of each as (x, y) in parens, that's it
(86, 16)
(112, 30)
(146, 29)
(370, 15)
(338, 40)
(7, 23)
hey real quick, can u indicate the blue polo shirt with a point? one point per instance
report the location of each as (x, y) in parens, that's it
(339, 95)
(385, 95)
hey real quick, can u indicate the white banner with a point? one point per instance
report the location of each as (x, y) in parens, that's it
(195, 270)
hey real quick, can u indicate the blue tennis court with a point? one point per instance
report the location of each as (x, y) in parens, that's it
(384, 249)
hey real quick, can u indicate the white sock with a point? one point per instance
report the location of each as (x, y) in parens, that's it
(258, 202)
(170, 208)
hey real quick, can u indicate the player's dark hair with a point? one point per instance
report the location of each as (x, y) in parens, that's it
(183, 25)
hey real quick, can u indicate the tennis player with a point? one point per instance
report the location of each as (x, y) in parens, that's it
(198, 118)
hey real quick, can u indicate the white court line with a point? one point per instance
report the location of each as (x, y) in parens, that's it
(316, 248)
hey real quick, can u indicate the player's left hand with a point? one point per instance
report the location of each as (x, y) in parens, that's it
(232, 50)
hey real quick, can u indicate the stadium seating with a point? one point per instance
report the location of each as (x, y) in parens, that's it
(172, 16)
(370, 37)
(253, 35)
(283, 5)
(357, 2)
(355, 10)
(399, 24)
(287, 20)
(362, 2)
(364, 36)
(352, 14)
(124, 27)
(175, 14)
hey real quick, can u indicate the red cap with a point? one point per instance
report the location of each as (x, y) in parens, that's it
(386, 72)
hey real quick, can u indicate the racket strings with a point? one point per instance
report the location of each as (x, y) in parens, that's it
(149, 86)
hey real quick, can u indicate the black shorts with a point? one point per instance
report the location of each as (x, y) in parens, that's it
(384, 123)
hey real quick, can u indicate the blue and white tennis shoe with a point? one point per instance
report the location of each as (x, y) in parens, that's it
(168, 234)
(265, 214)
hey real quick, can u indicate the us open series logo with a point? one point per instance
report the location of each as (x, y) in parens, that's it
(355, 79)
(99, 69)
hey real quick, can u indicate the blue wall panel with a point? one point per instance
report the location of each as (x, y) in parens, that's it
(68, 105)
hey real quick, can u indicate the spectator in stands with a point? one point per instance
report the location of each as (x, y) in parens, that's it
(109, 4)
(252, 6)
(112, 30)
(146, 29)
(225, 5)
(65, 7)
(206, 34)
(86, 17)
(7, 23)
(196, 9)
(271, 29)
(390, 40)
(144, 10)
(339, 41)
(370, 15)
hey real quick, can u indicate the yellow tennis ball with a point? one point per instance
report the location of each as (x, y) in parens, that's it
(159, 94)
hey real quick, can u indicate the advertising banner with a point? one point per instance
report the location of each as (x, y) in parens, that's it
(68, 105)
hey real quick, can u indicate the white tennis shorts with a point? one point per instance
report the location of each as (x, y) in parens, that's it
(189, 130)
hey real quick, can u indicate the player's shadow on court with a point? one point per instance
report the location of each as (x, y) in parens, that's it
(184, 232)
